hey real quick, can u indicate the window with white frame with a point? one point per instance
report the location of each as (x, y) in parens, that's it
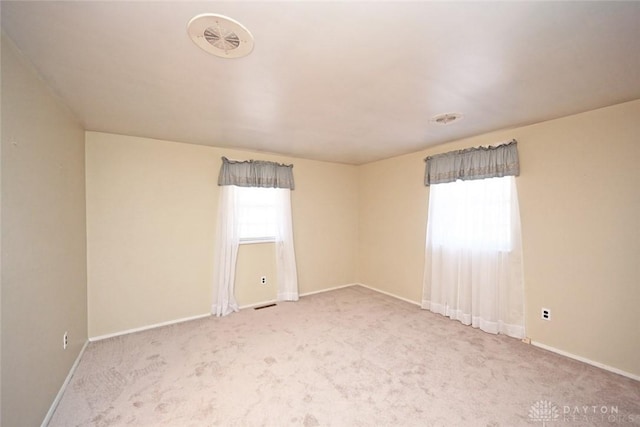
(473, 214)
(473, 254)
(255, 206)
(257, 214)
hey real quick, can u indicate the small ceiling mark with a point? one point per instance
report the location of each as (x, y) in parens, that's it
(446, 118)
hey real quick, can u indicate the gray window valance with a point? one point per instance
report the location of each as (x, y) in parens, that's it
(256, 173)
(473, 163)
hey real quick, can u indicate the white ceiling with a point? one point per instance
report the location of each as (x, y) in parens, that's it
(350, 82)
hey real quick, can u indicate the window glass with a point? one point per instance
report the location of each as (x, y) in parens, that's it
(256, 213)
(472, 214)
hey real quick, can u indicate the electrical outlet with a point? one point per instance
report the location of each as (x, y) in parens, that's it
(65, 340)
(263, 280)
(545, 314)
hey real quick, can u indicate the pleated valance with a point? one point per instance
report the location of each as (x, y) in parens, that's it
(256, 173)
(473, 163)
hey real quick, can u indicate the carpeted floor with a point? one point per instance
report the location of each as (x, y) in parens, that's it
(349, 357)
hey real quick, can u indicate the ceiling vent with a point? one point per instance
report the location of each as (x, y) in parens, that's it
(446, 118)
(220, 35)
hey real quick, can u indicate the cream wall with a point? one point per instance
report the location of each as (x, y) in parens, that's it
(255, 261)
(149, 213)
(43, 242)
(151, 218)
(151, 209)
(580, 209)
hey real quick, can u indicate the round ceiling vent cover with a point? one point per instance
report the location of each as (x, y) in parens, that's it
(446, 118)
(220, 35)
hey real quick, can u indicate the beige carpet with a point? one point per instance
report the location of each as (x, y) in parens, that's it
(349, 357)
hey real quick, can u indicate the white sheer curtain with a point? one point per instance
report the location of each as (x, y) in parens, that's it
(272, 177)
(285, 252)
(226, 253)
(473, 267)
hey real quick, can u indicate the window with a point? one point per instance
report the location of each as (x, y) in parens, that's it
(255, 206)
(473, 263)
(472, 214)
(473, 254)
(257, 213)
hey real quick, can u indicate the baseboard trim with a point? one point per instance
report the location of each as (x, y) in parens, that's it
(306, 294)
(186, 319)
(534, 343)
(56, 401)
(258, 304)
(200, 316)
(145, 328)
(587, 361)
(58, 397)
(389, 294)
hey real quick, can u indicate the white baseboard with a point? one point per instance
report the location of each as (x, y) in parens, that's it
(200, 316)
(306, 294)
(587, 361)
(186, 319)
(54, 405)
(389, 294)
(258, 304)
(534, 343)
(144, 328)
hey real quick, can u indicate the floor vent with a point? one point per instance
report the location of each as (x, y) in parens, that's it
(264, 306)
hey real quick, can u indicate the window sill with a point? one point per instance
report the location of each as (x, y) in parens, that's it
(254, 241)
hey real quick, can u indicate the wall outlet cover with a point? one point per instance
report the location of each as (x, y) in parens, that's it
(545, 314)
